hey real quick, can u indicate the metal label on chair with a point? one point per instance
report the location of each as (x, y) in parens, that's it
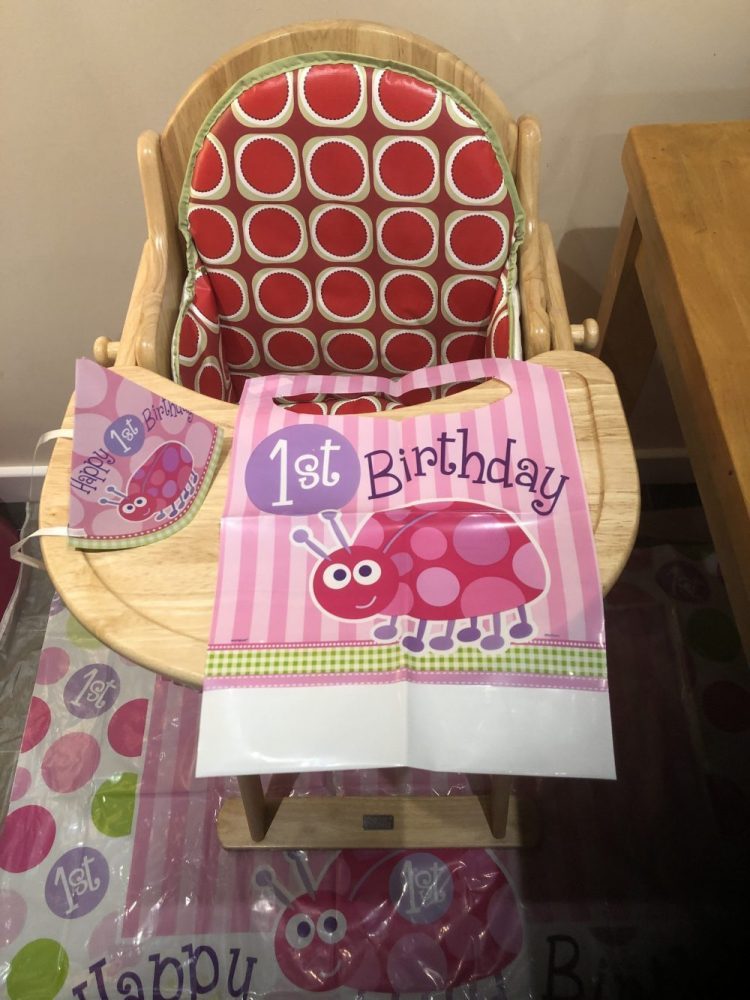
(420, 591)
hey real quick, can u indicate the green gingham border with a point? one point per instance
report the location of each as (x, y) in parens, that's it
(568, 661)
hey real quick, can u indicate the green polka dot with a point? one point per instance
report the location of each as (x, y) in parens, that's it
(114, 804)
(712, 634)
(81, 636)
(37, 971)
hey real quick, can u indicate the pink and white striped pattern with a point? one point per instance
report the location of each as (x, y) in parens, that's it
(259, 596)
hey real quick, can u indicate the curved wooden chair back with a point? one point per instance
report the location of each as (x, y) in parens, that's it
(163, 161)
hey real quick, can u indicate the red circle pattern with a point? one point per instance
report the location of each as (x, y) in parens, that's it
(345, 218)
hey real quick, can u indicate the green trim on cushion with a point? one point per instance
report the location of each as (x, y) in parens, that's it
(99, 544)
(301, 62)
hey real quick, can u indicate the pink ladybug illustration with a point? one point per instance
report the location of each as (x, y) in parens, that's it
(400, 922)
(435, 561)
(159, 488)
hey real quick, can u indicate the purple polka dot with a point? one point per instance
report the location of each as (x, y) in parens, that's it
(169, 489)
(152, 491)
(12, 916)
(488, 595)
(403, 563)
(170, 459)
(21, 784)
(481, 539)
(53, 664)
(428, 543)
(70, 762)
(126, 728)
(416, 964)
(26, 838)
(529, 568)
(437, 586)
(37, 724)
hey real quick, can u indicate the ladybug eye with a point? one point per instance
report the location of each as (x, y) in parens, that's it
(140, 501)
(128, 508)
(331, 926)
(336, 576)
(299, 931)
(367, 572)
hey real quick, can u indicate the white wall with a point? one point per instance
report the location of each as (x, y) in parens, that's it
(81, 78)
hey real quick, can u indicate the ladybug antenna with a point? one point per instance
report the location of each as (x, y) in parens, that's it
(114, 503)
(265, 877)
(300, 862)
(332, 517)
(302, 536)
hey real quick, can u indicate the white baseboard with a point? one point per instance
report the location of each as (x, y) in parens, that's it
(17, 482)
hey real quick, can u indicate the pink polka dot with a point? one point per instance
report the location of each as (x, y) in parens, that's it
(400, 514)
(402, 603)
(53, 664)
(26, 838)
(529, 568)
(416, 964)
(488, 595)
(437, 586)
(70, 762)
(21, 784)
(482, 539)
(372, 534)
(504, 921)
(126, 728)
(37, 724)
(428, 543)
(403, 562)
(12, 916)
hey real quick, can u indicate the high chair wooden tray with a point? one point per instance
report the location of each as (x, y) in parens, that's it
(153, 603)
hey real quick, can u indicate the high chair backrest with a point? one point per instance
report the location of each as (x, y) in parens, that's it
(344, 211)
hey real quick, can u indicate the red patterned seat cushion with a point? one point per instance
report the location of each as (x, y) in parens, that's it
(343, 217)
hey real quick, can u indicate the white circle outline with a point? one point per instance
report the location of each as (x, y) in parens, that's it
(231, 255)
(240, 148)
(317, 214)
(261, 276)
(490, 199)
(448, 287)
(327, 311)
(218, 189)
(291, 211)
(279, 365)
(427, 279)
(419, 141)
(320, 119)
(390, 335)
(377, 76)
(497, 260)
(321, 192)
(386, 216)
(245, 119)
(189, 359)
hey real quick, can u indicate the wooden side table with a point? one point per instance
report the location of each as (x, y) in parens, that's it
(680, 280)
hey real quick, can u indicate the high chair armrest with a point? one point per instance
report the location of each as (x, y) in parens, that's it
(154, 302)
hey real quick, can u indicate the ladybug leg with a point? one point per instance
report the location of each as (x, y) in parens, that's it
(414, 643)
(444, 642)
(522, 629)
(495, 640)
(469, 634)
(388, 631)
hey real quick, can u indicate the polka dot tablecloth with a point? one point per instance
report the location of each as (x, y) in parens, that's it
(112, 882)
(343, 217)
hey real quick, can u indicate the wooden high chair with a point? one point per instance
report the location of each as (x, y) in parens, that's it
(169, 635)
